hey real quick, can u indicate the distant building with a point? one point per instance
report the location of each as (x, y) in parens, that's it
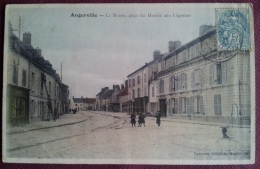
(77, 103)
(89, 103)
(123, 97)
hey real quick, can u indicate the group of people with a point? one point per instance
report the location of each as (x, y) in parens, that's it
(141, 119)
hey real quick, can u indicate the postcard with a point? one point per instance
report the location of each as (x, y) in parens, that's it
(129, 84)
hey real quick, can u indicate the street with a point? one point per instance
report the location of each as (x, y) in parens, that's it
(107, 135)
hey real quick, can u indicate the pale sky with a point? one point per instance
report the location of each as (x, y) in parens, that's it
(101, 51)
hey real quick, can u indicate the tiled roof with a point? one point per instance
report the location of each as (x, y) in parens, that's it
(89, 100)
(123, 92)
(78, 100)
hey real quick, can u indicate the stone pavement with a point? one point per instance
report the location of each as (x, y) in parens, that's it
(68, 119)
(65, 119)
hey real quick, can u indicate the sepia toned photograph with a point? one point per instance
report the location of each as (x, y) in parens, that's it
(129, 84)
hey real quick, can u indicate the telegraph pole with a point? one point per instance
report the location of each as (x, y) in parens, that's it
(19, 30)
(61, 71)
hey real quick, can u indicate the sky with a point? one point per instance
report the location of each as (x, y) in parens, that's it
(96, 52)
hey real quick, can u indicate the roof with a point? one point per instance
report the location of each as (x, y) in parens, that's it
(123, 92)
(89, 100)
(29, 52)
(78, 100)
(194, 41)
(107, 94)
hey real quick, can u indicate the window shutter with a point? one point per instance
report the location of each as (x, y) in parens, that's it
(176, 106)
(210, 74)
(170, 84)
(201, 78)
(188, 106)
(178, 82)
(185, 75)
(201, 105)
(224, 72)
(219, 104)
(216, 104)
(192, 79)
(181, 103)
(191, 105)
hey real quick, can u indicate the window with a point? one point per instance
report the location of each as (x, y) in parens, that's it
(138, 92)
(15, 75)
(161, 88)
(183, 81)
(145, 77)
(196, 78)
(133, 94)
(145, 91)
(133, 82)
(75, 104)
(197, 75)
(24, 78)
(152, 91)
(42, 82)
(217, 104)
(33, 81)
(218, 73)
(129, 82)
(138, 80)
(173, 83)
(49, 88)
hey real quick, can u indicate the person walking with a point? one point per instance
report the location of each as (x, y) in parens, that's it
(158, 119)
(133, 119)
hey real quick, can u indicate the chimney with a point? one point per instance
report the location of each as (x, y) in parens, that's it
(27, 38)
(173, 45)
(156, 54)
(204, 28)
(38, 51)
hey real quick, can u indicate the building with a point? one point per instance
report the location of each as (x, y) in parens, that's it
(99, 98)
(89, 103)
(33, 86)
(77, 103)
(196, 81)
(138, 89)
(123, 97)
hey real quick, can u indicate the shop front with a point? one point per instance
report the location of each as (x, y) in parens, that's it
(17, 105)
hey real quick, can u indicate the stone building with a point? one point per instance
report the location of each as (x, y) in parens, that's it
(32, 85)
(196, 81)
(123, 97)
(138, 89)
(89, 103)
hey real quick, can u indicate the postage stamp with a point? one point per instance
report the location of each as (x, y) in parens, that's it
(233, 29)
(129, 84)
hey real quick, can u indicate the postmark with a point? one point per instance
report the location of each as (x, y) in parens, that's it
(233, 29)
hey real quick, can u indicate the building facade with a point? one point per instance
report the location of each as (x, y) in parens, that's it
(32, 84)
(196, 81)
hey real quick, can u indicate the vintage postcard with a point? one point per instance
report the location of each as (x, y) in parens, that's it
(129, 84)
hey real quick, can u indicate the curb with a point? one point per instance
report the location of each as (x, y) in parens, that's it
(41, 128)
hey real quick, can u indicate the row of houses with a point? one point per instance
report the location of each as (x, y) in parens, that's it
(35, 91)
(82, 104)
(190, 81)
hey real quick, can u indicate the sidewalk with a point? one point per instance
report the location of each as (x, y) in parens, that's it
(65, 119)
(68, 119)
(172, 119)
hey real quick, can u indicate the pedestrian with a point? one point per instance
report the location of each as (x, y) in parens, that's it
(141, 120)
(158, 119)
(133, 119)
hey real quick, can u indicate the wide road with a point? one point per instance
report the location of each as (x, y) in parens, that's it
(105, 135)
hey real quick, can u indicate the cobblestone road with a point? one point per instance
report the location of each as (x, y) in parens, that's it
(103, 135)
